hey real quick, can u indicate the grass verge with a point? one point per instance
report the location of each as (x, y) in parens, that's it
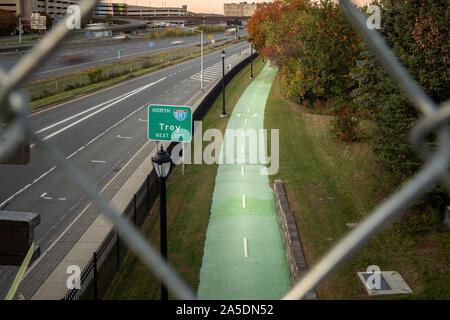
(331, 185)
(188, 206)
(69, 93)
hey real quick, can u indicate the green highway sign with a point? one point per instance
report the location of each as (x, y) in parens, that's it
(169, 123)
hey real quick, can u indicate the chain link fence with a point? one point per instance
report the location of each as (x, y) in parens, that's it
(48, 87)
(14, 112)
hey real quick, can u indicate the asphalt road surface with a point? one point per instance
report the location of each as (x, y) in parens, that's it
(99, 133)
(108, 53)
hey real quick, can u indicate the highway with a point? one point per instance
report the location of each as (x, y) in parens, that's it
(99, 132)
(108, 53)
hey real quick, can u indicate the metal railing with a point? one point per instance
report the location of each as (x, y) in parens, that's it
(106, 260)
(14, 111)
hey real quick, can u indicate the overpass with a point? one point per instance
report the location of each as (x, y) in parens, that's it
(196, 19)
(141, 22)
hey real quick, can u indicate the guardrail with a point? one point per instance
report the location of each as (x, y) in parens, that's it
(105, 262)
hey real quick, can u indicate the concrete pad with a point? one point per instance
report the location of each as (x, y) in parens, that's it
(81, 250)
(97, 235)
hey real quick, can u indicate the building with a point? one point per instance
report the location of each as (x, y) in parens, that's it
(123, 9)
(113, 9)
(24, 8)
(242, 9)
(141, 11)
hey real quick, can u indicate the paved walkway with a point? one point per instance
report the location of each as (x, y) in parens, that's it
(244, 255)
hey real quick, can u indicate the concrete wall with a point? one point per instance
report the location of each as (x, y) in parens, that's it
(293, 245)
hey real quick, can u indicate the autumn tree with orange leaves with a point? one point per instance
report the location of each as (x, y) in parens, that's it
(267, 11)
(314, 46)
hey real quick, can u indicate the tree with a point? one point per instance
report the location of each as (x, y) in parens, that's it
(267, 11)
(417, 31)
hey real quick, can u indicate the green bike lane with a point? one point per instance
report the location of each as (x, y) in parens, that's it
(244, 256)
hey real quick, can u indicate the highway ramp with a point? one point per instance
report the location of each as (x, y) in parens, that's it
(106, 53)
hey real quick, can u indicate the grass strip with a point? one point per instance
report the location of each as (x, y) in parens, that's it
(331, 186)
(67, 94)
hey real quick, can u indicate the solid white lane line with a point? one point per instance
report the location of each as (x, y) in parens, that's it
(26, 187)
(245, 248)
(242, 170)
(83, 112)
(104, 108)
(43, 254)
(243, 201)
(68, 157)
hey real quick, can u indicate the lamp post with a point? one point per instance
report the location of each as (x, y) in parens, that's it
(161, 164)
(224, 113)
(201, 50)
(251, 61)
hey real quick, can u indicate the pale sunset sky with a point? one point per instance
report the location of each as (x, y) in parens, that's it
(204, 6)
(198, 6)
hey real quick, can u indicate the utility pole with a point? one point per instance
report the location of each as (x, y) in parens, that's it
(251, 61)
(201, 60)
(201, 50)
(20, 30)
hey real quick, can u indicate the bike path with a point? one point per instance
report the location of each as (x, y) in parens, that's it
(243, 212)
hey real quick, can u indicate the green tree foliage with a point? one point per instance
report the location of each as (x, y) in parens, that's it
(417, 31)
(323, 63)
(312, 43)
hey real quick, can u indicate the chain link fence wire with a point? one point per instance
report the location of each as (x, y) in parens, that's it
(14, 111)
(435, 169)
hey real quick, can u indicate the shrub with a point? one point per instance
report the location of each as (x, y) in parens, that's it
(170, 32)
(346, 126)
(416, 31)
(94, 75)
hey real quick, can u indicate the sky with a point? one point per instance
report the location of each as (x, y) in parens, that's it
(203, 6)
(198, 6)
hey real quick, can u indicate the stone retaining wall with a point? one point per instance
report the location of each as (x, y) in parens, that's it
(293, 245)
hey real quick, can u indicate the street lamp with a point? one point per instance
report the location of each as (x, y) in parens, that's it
(251, 61)
(224, 113)
(161, 164)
